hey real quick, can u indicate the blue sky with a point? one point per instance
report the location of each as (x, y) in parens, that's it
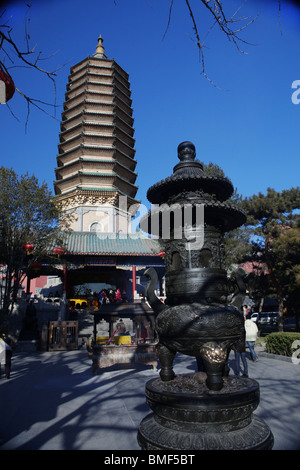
(249, 126)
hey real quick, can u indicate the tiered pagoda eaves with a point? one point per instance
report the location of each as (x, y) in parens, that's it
(95, 163)
(95, 177)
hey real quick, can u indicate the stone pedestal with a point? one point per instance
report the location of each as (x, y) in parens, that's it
(188, 416)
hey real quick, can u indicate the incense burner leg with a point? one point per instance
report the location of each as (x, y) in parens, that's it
(166, 358)
(214, 356)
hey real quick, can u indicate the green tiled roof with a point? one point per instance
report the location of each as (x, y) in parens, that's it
(92, 243)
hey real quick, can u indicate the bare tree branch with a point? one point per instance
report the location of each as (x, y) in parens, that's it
(279, 18)
(169, 19)
(219, 18)
(29, 58)
(33, 102)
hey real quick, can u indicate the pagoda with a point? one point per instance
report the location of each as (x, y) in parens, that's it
(96, 180)
(95, 163)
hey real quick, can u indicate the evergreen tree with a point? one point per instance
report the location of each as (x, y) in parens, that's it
(270, 218)
(28, 215)
(285, 254)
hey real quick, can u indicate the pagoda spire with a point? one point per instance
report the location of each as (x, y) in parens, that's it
(100, 53)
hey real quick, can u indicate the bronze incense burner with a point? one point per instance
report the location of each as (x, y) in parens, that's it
(200, 317)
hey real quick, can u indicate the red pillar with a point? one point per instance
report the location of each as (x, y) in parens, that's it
(65, 281)
(161, 291)
(28, 285)
(133, 280)
(124, 284)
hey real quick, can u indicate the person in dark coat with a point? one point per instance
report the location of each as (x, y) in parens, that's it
(239, 349)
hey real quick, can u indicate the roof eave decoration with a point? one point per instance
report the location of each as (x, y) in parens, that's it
(92, 243)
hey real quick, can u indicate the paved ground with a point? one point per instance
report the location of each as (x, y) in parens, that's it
(52, 402)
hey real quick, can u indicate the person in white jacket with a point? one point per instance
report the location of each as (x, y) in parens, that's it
(5, 355)
(251, 336)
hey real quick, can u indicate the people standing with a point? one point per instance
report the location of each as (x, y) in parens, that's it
(6, 354)
(239, 348)
(121, 328)
(111, 296)
(251, 336)
(118, 296)
(102, 298)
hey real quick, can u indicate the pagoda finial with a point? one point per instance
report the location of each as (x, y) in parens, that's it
(100, 53)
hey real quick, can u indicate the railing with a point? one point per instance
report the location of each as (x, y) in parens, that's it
(62, 336)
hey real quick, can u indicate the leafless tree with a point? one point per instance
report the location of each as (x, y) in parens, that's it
(16, 55)
(231, 25)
